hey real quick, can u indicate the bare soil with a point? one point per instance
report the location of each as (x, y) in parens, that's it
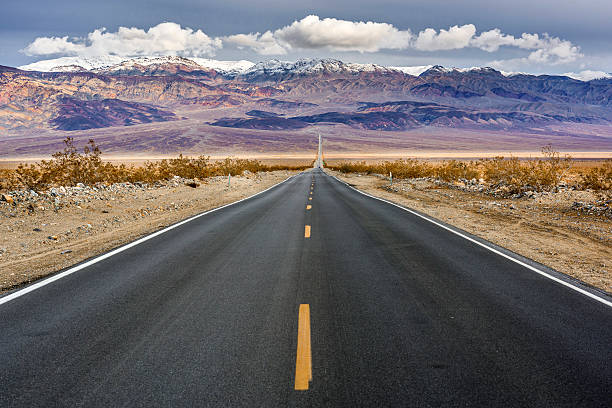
(548, 228)
(44, 232)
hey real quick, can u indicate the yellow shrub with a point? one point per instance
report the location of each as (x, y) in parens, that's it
(70, 167)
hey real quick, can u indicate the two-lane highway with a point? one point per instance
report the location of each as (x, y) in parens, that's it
(310, 294)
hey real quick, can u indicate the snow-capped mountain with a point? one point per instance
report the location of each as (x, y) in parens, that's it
(265, 70)
(588, 75)
(222, 67)
(397, 97)
(276, 70)
(414, 71)
(73, 64)
(246, 69)
(225, 67)
(306, 66)
(112, 64)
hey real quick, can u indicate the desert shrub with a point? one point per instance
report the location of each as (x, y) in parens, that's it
(518, 176)
(236, 167)
(500, 170)
(186, 167)
(67, 167)
(5, 175)
(407, 168)
(455, 170)
(25, 175)
(352, 167)
(70, 167)
(403, 168)
(514, 174)
(547, 173)
(598, 178)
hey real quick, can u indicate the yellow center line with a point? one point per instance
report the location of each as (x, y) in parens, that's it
(303, 361)
(307, 231)
(308, 207)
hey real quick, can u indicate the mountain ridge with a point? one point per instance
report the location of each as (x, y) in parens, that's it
(308, 92)
(244, 68)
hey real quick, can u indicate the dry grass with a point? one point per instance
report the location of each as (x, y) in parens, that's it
(70, 167)
(543, 174)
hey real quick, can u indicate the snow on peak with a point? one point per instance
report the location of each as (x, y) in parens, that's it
(115, 63)
(148, 61)
(267, 68)
(309, 66)
(414, 70)
(72, 64)
(588, 75)
(227, 67)
(438, 69)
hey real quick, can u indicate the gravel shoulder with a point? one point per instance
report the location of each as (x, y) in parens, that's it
(44, 232)
(560, 230)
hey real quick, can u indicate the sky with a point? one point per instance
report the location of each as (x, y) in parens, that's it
(535, 36)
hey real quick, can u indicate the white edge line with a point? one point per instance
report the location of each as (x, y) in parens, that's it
(44, 282)
(534, 269)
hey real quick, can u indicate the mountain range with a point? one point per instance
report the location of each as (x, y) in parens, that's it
(77, 94)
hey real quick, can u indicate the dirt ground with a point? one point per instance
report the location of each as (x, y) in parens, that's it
(43, 232)
(549, 228)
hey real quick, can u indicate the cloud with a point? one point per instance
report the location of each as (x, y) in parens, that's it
(311, 32)
(162, 39)
(53, 45)
(456, 37)
(553, 50)
(546, 49)
(264, 44)
(491, 40)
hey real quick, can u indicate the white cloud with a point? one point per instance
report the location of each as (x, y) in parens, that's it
(311, 32)
(162, 39)
(556, 51)
(456, 37)
(545, 49)
(264, 44)
(53, 45)
(491, 40)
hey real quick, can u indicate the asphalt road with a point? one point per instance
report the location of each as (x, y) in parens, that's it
(402, 313)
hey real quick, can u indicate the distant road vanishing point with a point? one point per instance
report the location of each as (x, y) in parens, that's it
(308, 294)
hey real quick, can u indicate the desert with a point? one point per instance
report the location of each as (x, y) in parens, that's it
(338, 204)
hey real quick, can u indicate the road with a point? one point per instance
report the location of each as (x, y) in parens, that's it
(401, 313)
